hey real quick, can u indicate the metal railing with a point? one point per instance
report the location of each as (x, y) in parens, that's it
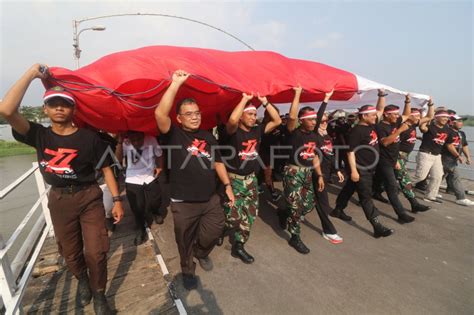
(14, 275)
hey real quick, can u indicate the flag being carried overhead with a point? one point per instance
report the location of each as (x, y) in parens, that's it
(119, 92)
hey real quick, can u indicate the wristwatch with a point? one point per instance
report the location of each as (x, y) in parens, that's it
(265, 105)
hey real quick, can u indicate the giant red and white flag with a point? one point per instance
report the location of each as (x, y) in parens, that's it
(120, 91)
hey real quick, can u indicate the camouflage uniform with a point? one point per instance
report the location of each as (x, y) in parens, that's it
(403, 177)
(299, 194)
(241, 217)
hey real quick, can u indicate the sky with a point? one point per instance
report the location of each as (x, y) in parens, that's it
(418, 46)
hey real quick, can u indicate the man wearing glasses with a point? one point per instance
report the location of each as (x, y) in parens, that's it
(193, 163)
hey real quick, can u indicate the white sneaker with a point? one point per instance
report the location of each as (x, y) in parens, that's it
(333, 238)
(433, 200)
(465, 202)
(439, 196)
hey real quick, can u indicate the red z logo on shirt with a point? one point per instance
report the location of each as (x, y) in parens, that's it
(61, 161)
(412, 137)
(456, 141)
(198, 148)
(249, 150)
(308, 154)
(440, 138)
(373, 138)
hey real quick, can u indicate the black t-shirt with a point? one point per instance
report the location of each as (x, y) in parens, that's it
(435, 138)
(366, 136)
(325, 145)
(389, 154)
(66, 160)
(247, 146)
(191, 157)
(303, 147)
(459, 141)
(408, 139)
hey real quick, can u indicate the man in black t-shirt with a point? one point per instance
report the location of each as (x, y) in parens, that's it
(68, 158)
(245, 137)
(428, 161)
(450, 158)
(297, 175)
(388, 132)
(363, 157)
(194, 162)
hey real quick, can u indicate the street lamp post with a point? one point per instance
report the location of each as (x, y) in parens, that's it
(75, 38)
(75, 26)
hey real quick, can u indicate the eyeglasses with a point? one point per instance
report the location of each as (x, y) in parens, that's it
(192, 114)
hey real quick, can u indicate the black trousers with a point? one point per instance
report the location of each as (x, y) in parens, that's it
(322, 205)
(385, 177)
(197, 227)
(144, 200)
(364, 190)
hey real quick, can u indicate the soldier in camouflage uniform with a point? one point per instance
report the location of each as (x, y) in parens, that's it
(407, 143)
(297, 175)
(244, 137)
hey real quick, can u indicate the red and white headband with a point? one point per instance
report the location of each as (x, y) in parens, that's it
(442, 114)
(251, 107)
(392, 111)
(309, 115)
(417, 113)
(368, 110)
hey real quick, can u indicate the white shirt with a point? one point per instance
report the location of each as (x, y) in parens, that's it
(141, 167)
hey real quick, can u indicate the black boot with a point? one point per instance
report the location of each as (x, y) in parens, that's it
(339, 213)
(379, 197)
(283, 219)
(140, 237)
(379, 229)
(405, 218)
(100, 303)
(238, 251)
(417, 207)
(83, 290)
(296, 242)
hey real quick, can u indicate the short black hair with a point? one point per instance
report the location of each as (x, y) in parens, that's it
(188, 100)
(304, 110)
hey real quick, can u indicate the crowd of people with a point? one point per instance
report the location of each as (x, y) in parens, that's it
(215, 179)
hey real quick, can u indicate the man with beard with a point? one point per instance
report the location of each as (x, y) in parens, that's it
(363, 156)
(194, 165)
(245, 137)
(68, 158)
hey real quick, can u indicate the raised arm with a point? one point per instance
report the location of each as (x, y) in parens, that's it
(163, 109)
(380, 103)
(407, 109)
(429, 116)
(293, 115)
(233, 122)
(275, 119)
(12, 100)
(322, 108)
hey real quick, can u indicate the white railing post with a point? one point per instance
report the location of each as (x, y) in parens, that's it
(7, 281)
(44, 203)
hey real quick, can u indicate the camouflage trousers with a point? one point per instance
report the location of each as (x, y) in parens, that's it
(240, 218)
(299, 194)
(403, 177)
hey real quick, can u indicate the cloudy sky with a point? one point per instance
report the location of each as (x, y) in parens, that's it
(420, 46)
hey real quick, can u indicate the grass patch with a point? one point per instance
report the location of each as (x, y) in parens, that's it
(12, 148)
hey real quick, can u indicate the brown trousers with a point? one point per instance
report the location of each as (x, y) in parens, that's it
(197, 226)
(79, 224)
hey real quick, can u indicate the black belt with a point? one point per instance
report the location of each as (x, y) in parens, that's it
(428, 152)
(71, 189)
